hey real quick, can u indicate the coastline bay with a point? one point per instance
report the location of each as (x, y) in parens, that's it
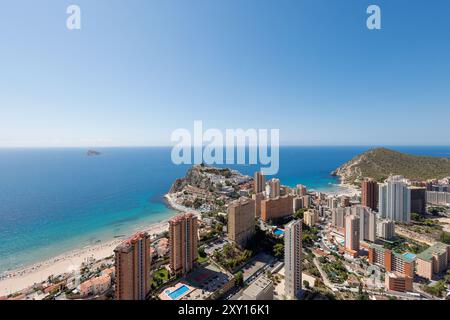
(56, 200)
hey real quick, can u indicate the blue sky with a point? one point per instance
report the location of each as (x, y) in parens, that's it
(137, 70)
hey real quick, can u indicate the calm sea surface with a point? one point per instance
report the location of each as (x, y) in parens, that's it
(54, 200)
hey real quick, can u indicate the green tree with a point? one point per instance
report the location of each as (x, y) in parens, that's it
(239, 278)
(278, 250)
(306, 284)
(201, 252)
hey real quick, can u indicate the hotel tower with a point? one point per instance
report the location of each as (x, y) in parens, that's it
(183, 243)
(132, 261)
(293, 258)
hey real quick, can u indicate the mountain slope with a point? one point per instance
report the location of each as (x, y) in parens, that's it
(379, 163)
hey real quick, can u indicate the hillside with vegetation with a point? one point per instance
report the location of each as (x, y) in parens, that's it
(379, 163)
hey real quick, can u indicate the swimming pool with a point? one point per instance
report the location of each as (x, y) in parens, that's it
(174, 295)
(409, 256)
(278, 232)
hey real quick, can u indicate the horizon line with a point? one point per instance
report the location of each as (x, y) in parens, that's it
(236, 146)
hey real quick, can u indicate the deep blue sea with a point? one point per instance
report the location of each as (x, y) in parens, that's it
(54, 200)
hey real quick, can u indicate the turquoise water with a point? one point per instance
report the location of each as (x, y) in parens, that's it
(174, 295)
(278, 232)
(54, 200)
(410, 256)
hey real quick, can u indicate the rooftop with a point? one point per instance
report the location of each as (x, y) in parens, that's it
(258, 286)
(437, 248)
(405, 257)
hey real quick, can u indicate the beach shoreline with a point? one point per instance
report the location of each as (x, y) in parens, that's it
(15, 280)
(22, 278)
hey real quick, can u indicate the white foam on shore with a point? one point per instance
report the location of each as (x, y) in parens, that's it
(24, 277)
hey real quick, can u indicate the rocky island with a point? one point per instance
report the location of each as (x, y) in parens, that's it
(379, 163)
(93, 153)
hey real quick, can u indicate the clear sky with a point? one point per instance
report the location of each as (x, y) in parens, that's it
(137, 70)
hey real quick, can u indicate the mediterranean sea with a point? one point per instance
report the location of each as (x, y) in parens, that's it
(56, 200)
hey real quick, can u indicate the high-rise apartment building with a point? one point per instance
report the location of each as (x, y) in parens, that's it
(277, 208)
(438, 198)
(274, 188)
(338, 217)
(241, 221)
(293, 258)
(259, 182)
(332, 203)
(183, 238)
(418, 200)
(258, 198)
(395, 199)
(352, 234)
(298, 203)
(132, 268)
(345, 201)
(367, 223)
(385, 229)
(369, 193)
(300, 190)
(310, 217)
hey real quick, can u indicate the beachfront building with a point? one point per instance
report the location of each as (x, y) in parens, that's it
(395, 199)
(433, 260)
(293, 259)
(183, 237)
(369, 193)
(241, 221)
(352, 235)
(300, 190)
(132, 268)
(95, 286)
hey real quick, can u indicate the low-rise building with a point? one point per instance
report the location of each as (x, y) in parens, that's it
(433, 260)
(261, 289)
(391, 261)
(395, 281)
(95, 285)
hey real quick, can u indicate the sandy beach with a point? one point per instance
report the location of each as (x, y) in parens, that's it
(19, 279)
(344, 189)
